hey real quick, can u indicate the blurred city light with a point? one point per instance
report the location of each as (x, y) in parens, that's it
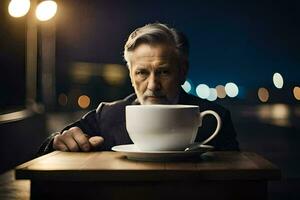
(114, 74)
(18, 8)
(84, 101)
(202, 91)
(187, 86)
(46, 10)
(280, 111)
(212, 94)
(277, 114)
(231, 89)
(277, 80)
(81, 72)
(221, 91)
(263, 94)
(62, 99)
(296, 92)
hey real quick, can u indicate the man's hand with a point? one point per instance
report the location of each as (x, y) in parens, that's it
(75, 140)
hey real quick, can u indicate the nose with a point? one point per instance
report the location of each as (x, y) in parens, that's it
(154, 82)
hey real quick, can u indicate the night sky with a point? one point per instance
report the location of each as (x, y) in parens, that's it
(240, 41)
(244, 42)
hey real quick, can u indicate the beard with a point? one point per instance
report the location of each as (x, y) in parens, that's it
(155, 97)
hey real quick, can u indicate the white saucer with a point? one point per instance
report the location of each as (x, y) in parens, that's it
(133, 153)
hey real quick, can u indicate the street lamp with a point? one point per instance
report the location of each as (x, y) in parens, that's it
(18, 8)
(46, 10)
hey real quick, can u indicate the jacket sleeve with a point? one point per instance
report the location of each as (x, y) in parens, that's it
(89, 124)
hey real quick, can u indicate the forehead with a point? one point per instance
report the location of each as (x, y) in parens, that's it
(146, 52)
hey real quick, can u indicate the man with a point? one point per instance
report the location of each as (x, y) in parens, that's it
(157, 59)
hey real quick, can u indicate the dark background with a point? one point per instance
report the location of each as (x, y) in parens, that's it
(231, 41)
(12, 61)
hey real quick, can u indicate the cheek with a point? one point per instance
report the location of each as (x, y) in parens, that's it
(172, 86)
(139, 85)
(134, 80)
(172, 82)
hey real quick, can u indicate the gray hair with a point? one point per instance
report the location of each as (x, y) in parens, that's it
(158, 33)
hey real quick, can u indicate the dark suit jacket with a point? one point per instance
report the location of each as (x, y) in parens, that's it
(108, 121)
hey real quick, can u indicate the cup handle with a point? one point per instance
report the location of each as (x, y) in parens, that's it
(219, 124)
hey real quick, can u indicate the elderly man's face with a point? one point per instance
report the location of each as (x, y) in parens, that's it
(155, 74)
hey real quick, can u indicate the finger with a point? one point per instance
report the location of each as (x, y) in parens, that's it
(62, 147)
(70, 142)
(74, 130)
(58, 144)
(82, 141)
(96, 141)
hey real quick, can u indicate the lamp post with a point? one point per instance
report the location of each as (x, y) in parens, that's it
(40, 47)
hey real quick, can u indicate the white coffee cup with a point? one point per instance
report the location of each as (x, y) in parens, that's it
(166, 127)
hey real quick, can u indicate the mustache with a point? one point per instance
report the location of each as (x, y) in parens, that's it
(154, 93)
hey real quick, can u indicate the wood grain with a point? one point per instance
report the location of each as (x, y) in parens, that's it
(113, 166)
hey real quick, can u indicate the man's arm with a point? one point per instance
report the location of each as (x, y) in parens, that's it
(76, 136)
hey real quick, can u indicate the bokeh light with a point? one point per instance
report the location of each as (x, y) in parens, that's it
(280, 111)
(221, 91)
(212, 94)
(276, 114)
(263, 94)
(46, 10)
(231, 89)
(114, 74)
(296, 92)
(84, 101)
(278, 80)
(187, 87)
(62, 99)
(18, 8)
(202, 91)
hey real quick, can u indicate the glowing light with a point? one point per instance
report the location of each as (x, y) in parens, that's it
(277, 114)
(46, 10)
(280, 111)
(114, 74)
(264, 112)
(212, 94)
(296, 92)
(187, 86)
(84, 101)
(62, 99)
(278, 80)
(263, 94)
(202, 91)
(18, 8)
(231, 89)
(221, 91)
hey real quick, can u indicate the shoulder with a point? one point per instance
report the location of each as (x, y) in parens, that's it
(115, 107)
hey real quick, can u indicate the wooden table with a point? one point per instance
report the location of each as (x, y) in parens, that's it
(109, 175)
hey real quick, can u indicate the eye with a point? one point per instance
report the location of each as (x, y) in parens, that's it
(164, 72)
(141, 72)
